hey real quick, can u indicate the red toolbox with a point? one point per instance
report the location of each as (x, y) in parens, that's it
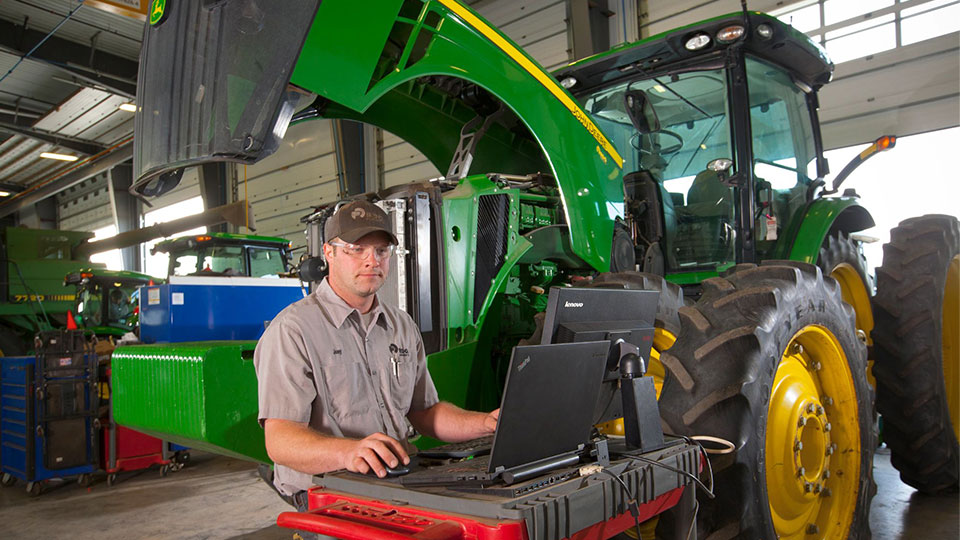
(593, 506)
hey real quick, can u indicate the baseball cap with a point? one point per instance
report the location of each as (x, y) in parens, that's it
(355, 220)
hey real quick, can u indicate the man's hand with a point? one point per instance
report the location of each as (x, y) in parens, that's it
(490, 421)
(370, 453)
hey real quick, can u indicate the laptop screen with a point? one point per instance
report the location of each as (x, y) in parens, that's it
(548, 401)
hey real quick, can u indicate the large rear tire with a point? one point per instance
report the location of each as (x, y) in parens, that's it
(768, 358)
(916, 309)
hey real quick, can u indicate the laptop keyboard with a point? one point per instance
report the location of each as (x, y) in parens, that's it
(475, 447)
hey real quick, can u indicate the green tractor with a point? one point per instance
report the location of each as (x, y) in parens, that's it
(225, 254)
(690, 162)
(106, 301)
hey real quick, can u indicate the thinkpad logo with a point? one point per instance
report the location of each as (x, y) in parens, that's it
(523, 364)
(572, 304)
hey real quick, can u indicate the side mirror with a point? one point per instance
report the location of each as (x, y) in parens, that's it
(722, 167)
(641, 112)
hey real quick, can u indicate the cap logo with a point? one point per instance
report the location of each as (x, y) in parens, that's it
(358, 213)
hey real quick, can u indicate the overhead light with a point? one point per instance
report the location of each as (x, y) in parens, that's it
(61, 157)
(4, 193)
(129, 107)
(660, 88)
(697, 42)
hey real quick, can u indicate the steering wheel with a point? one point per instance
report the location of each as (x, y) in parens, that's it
(664, 151)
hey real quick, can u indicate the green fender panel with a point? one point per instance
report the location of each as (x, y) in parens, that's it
(822, 216)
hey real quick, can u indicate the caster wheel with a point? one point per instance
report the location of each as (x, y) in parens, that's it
(33, 488)
(111, 479)
(183, 458)
(7, 480)
(84, 480)
(164, 471)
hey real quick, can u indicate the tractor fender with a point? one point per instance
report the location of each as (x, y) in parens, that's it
(825, 215)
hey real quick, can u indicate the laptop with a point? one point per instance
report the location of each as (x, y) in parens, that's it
(546, 414)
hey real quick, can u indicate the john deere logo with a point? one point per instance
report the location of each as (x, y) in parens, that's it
(157, 11)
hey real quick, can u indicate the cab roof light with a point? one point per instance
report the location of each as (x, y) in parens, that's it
(697, 41)
(86, 275)
(886, 142)
(765, 31)
(730, 34)
(203, 238)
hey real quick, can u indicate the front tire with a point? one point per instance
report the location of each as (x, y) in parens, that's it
(769, 359)
(917, 350)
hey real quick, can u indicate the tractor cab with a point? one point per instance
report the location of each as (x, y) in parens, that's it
(719, 134)
(106, 300)
(223, 254)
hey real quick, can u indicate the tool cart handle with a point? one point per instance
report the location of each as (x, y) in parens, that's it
(314, 521)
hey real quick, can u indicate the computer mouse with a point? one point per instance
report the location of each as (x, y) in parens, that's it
(399, 470)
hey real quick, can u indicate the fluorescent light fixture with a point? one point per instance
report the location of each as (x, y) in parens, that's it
(129, 107)
(61, 157)
(4, 193)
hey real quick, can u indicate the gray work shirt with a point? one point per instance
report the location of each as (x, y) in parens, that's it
(316, 364)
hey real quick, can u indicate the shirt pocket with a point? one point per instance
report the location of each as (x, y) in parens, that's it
(402, 383)
(346, 384)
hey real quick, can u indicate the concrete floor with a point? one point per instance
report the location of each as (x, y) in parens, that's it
(219, 497)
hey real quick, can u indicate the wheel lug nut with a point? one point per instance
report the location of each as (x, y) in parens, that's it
(817, 488)
(813, 529)
(811, 407)
(817, 366)
(802, 422)
(827, 400)
(797, 348)
(826, 492)
(826, 474)
(797, 446)
(801, 471)
(807, 487)
(827, 427)
(819, 410)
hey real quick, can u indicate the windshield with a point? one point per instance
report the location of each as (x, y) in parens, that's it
(692, 109)
(107, 305)
(209, 260)
(266, 262)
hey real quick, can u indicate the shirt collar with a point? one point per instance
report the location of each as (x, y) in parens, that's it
(339, 310)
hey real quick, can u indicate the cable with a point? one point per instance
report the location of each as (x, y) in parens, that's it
(632, 504)
(702, 486)
(42, 41)
(729, 447)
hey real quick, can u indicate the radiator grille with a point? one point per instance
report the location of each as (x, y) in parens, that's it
(492, 221)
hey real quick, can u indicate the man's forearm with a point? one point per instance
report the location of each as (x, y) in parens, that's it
(450, 423)
(303, 449)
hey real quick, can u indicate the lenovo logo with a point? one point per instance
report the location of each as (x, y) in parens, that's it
(572, 304)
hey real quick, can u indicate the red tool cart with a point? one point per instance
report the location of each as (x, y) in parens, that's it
(590, 504)
(124, 449)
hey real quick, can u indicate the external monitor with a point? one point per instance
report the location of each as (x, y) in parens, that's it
(592, 314)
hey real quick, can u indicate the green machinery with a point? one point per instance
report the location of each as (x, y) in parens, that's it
(694, 156)
(33, 263)
(106, 300)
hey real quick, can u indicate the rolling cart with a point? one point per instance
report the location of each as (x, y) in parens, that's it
(48, 412)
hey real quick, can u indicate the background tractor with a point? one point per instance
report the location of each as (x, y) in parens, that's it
(690, 162)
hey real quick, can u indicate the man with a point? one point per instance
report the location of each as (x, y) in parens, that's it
(343, 381)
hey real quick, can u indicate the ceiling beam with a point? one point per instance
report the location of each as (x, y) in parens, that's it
(20, 125)
(49, 187)
(108, 71)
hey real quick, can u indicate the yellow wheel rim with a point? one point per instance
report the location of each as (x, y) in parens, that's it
(856, 294)
(813, 439)
(662, 340)
(951, 342)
